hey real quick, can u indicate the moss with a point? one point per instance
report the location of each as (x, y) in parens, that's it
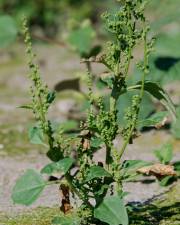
(39, 216)
(164, 211)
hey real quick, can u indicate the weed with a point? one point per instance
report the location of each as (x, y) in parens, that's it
(97, 184)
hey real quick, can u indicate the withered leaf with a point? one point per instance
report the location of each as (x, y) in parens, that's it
(158, 170)
(65, 202)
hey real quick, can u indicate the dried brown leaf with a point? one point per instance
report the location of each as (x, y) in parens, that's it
(65, 202)
(158, 170)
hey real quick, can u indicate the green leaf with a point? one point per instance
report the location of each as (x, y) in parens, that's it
(175, 128)
(66, 220)
(112, 211)
(135, 164)
(154, 120)
(8, 31)
(54, 154)
(96, 142)
(81, 39)
(102, 190)
(165, 153)
(28, 106)
(177, 168)
(28, 188)
(49, 168)
(64, 165)
(51, 96)
(97, 172)
(125, 101)
(167, 181)
(61, 166)
(36, 135)
(130, 167)
(157, 92)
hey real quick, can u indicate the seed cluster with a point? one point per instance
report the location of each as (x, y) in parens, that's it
(39, 92)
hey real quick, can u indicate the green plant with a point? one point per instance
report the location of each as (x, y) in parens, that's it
(165, 155)
(99, 185)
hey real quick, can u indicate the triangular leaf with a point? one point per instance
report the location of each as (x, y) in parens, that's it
(49, 168)
(97, 172)
(112, 211)
(61, 166)
(165, 153)
(28, 188)
(36, 135)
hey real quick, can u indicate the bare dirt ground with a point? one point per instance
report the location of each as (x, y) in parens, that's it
(17, 155)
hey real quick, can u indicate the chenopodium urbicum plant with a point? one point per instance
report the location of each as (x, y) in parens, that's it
(98, 185)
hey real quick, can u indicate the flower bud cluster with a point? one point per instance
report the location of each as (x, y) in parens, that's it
(38, 91)
(104, 123)
(131, 116)
(125, 26)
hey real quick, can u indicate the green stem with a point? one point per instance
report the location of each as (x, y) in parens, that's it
(134, 87)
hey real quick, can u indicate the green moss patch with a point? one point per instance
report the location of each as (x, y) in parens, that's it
(39, 216)
(164, 211)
